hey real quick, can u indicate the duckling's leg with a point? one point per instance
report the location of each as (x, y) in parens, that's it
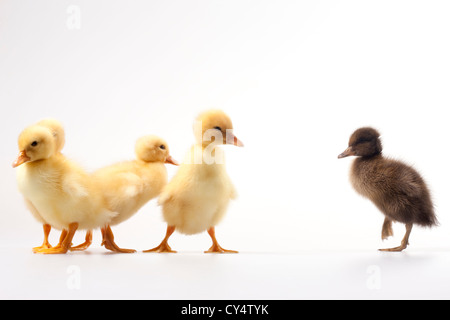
(387, 231)
(61, 238)
(108, 241)
(64, 246)
(405, 241)
(216, 248)
(85, 244)
(164, 246)
(45, 244)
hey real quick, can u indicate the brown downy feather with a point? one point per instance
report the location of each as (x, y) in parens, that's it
(396, 188)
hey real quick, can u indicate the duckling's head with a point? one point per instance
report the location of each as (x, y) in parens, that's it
(35, 143)
(364, 142)
(153, 149)
(57, 131)
(217, 124)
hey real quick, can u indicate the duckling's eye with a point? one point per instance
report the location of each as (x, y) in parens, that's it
(218, 128)
(162, 147)
(34, 143)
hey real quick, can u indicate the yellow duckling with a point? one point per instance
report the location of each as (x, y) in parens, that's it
(58, 134)
(196, 199)
(127, 186)
(61, 192)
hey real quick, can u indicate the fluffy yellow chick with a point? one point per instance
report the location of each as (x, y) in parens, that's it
(58, 134)
(63, 193)
(127, 186)
(196, 199)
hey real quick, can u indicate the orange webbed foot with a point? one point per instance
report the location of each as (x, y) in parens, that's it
(108, 242)
(85, 244)
(216, 248)
(65, 244)
(162, 248)
(44, 246)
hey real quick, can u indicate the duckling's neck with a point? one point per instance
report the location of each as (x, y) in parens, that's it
(362, 165)
(375, 156)
(208, 155)
(43, 162)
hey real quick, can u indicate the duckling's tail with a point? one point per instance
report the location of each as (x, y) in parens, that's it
(108, 216)
(163, 198)
(428, 218)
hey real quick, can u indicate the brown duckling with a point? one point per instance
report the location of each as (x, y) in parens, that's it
(395, 188)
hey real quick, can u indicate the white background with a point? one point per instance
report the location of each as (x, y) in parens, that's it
(296, 77)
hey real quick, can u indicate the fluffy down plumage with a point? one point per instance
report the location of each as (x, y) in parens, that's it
(395, 188)
(58, 189)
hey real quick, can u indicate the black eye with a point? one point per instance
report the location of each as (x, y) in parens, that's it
(218, 128)
(162, 147)
(34, 143)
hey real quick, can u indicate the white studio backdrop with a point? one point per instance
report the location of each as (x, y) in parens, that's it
(296, 77)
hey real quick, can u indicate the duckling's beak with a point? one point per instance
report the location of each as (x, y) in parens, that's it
(171, 160)
(21, 158)
(233, 140)
(348, 152)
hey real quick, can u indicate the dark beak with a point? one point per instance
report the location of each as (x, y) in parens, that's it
(348, 152)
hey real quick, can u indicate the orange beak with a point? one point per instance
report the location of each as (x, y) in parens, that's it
(171, 160)
(21, 158)
(232, 139)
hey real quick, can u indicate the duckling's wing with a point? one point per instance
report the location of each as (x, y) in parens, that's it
(165, 196)
(132, 185)
(74, 186)
(404, 180)
(407, 198)
(181, 183)
(410, 182)
(120, 180)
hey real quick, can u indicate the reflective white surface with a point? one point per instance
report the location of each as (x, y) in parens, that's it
(296, 77)
(191, 275)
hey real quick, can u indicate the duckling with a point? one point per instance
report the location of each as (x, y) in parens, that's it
(62, 192)
(197, 197)
(58, 134)
(395, 188)
(127, 186)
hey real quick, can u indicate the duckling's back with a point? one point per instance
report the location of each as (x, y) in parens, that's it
(395, 188)
(127, 186)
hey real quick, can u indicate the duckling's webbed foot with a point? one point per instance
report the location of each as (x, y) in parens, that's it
(164, 246)
(108, 242)
(45, 244)
(405, 241)
(85, 244)
(395, 249)
(387, 231)
(216, 248)
(65, 244)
